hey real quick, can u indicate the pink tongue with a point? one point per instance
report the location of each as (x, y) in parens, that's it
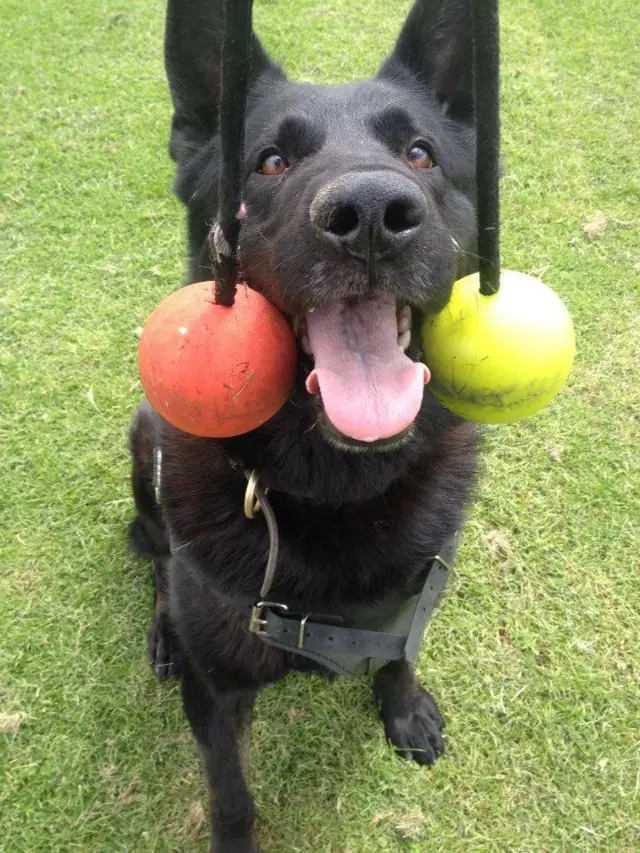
(370, 389)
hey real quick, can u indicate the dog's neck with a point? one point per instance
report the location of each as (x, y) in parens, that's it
(314, 469)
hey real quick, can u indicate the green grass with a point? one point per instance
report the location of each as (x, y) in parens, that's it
(534, 654)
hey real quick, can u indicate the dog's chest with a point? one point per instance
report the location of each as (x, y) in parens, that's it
(348, 555)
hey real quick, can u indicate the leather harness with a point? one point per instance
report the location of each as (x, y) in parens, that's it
(359, 647)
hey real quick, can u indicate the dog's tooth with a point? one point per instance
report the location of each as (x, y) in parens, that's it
(404, 319)
(306, 346)
(404, 339)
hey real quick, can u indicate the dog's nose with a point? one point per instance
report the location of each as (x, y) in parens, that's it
(369, 212)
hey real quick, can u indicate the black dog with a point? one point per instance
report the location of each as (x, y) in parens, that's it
(360, 206)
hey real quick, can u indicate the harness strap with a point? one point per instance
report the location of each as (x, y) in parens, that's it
(307, 636)
(357, 651)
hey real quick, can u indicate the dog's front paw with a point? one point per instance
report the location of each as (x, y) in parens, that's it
(162, 650)
(413, 724)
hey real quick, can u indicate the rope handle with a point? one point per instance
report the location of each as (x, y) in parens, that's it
(236, 62)
(486, 74)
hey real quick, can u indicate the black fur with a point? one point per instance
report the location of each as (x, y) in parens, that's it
(357, 523)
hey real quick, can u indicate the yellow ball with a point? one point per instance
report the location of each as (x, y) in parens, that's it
(499, 358)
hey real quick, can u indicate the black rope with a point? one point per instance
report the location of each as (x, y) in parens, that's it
(236, 61)
(486, 48)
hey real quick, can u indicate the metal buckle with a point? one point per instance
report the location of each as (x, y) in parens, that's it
(256, 622)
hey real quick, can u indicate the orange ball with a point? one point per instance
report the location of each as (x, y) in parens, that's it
(214, 371)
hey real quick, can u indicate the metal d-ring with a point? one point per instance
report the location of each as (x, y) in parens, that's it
(251, 502)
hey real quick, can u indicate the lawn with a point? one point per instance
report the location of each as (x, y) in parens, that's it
(534, 654)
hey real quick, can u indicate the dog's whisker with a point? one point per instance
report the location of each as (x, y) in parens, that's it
(313, 426)
(290, 258)
(474, 255)
(261, 234)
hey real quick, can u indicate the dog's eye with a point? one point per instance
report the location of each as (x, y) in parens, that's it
(273, 164)
(420, 157)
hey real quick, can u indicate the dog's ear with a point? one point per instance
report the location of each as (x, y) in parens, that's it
(193, 61)
(435, 46)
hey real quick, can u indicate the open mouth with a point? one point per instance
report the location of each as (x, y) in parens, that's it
(367, 387)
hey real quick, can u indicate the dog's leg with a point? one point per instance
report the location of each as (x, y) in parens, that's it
(162, 646)
(412, 722)
(221, 723)
(147, 534)
(148, 538)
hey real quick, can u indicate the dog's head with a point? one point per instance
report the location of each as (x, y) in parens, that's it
(360, 205)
